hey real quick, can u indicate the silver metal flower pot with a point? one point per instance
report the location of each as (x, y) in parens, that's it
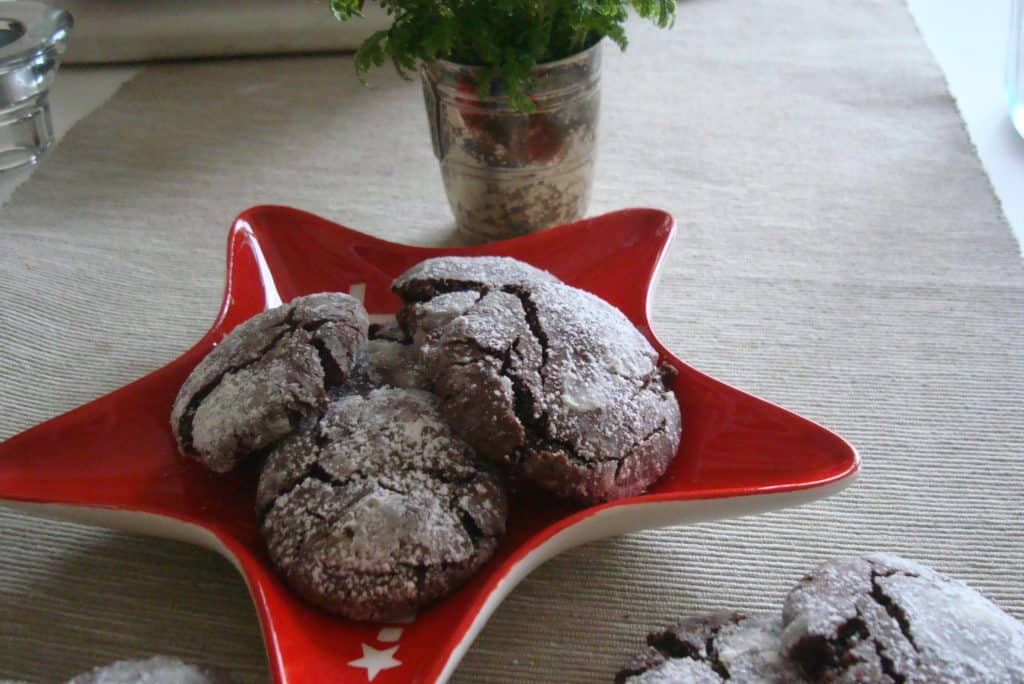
(507, 172)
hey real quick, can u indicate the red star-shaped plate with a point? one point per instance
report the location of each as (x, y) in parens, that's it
(114, 461)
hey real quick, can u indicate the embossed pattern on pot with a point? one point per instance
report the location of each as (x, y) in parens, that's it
(509, 172)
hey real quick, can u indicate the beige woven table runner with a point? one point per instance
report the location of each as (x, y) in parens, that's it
(839, 252)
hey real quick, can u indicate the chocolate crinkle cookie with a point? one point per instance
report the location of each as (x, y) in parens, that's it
(881, 618)
(717, 648)
(376, 508)
(546, 378)
(257, 384)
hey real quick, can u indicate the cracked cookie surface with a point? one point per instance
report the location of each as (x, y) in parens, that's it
(376, 508)
(265, 375)
(882, 618)
(715, 648)
(440, 275)
(544, 377)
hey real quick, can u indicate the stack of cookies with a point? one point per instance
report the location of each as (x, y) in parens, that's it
(385, 452)
(873, 619)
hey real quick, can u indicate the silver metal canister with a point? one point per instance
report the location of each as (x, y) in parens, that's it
(508, 172)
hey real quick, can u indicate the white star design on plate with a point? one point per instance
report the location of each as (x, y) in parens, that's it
(373, 661)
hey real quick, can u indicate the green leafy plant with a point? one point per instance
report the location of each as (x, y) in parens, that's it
(505, 37)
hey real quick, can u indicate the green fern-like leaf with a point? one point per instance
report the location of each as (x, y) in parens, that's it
(505, 37)
(346, 9)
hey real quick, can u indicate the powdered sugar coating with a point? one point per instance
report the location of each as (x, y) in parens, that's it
(377, 508)
(267, 373)
(545, 377)
(677, 671)
(882, 618)
(716, 648)
(394, 364)
(603, 393)
(439, 275)
(155, 670)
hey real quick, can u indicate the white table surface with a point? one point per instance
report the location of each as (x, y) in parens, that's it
(968, 39)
